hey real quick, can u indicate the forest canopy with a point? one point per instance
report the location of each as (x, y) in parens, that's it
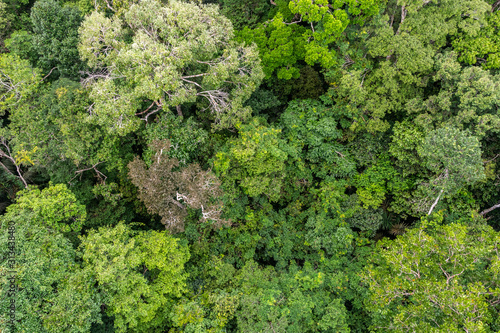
(249, 166)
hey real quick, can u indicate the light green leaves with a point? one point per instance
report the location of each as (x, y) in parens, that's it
(437, 280)
(54, 207)
(17, 81)
(138, 274)
(51, 293)
(178, 53)
(285, 40)
(256, 160)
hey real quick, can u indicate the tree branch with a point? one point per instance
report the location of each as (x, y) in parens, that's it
(486, 211)
(46, 76)
(495, 6)
(8, 155)
(179, 110)
(403, 16)
(100, 175)
(435, 202)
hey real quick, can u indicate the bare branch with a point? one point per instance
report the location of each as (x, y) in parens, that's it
(191, 76)
(179, 110)
(294, 22)
(46, 76)
(8, 155)
(486, 211)
(403, 16)
(218, 99)
(149, 107)
(102, 73)
(102, 177)
(192, 82)
(435, 202)
(495, 6)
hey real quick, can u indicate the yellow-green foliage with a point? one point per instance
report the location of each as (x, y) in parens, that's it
(255, 160)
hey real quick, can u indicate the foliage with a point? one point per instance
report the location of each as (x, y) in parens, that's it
(39, 268)
(55, 207)
(454, 156)
(55, 38)
(435, 278)
(138, 274)
(14, 15)
(313, 129)
(188, 55)
(18, 81)
(283, 41)
(406, 42)
(187, 138)
(245, 14)
(355, 188)
(255, 161)
(482, 47)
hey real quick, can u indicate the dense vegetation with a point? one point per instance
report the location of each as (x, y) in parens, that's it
(249, 166)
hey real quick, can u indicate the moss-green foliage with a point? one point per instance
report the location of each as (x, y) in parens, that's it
(245, 14)
(186, 137)
(313, 129)
(51, 42)
(14, 15)
(55, 38)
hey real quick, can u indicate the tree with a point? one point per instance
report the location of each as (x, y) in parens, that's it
(435, 278)
(255, 161)
(138, 274)
(454, 157)
(468, 99)
(51, 138)
(14, 15)
(5, 22)
(305, 30)
(55, 207)
(313, 129)
(18, 81)
(188, 140)
(295, 302)
(169, 193)
(39, 269)
(247, 14)
(405, 43)
(482, 47)
(53, 125)
(187, 54)
(55, 38)
(261, 299)
(51, 42)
